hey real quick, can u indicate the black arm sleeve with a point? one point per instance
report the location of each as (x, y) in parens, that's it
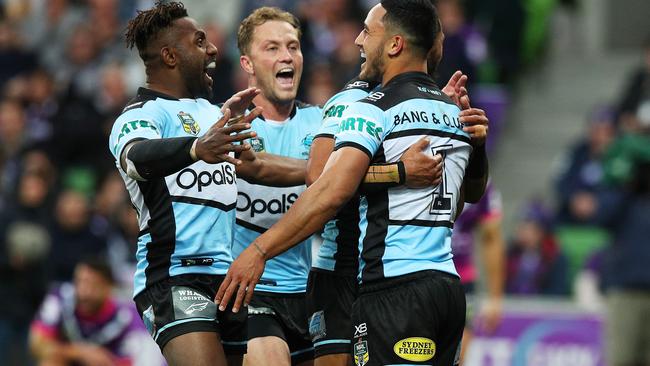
(159, 158)
(478, 164)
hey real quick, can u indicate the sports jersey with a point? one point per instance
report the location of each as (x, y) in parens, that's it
(259, 207)
(186, 219)
(462, 240)
(405, 230)
(338, 251)
(116, 327)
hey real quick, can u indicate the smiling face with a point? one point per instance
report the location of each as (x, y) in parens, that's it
(371, 44)
(274, 61)
(196, 57)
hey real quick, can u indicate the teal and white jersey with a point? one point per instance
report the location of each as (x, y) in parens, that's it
(259, 207)
(186, 219)
(406, 230)
(339, 251)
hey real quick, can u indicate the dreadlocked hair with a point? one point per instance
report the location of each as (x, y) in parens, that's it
(147, 24)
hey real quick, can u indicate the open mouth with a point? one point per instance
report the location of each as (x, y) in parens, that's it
(208, 69)
(363, 57)
(285, 76)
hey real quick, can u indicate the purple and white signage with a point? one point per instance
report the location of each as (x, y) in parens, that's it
(539, 339)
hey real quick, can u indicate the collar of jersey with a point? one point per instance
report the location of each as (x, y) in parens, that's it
(411, 76)
(296, 103)
(154, 94)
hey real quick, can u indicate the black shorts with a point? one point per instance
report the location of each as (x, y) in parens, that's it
(329, 304)
(415, 319)
(185, 304)
(284, 316)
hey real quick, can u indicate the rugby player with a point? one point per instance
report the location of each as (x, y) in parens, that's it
(269, 44)
(405, 233)
(178, 167)
(332, 284)
(480, 225)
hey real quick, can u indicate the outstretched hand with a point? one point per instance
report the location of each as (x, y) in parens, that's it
(242, 276)
(456, 87)
(475, 121)
(422, 169)
(220, 140)
(240, 101)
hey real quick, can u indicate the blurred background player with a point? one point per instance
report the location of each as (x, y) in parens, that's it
(82, 323)
(478, 231)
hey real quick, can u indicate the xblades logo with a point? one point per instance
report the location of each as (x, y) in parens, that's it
(189, 178)
(360, 330)
(258, 206)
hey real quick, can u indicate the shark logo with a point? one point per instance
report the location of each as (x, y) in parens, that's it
(197, 306)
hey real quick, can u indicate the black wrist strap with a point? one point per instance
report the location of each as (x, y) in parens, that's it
(402, 173)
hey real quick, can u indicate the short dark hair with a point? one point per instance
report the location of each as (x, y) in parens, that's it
(418, 19)
(99, 265)
(147, 24)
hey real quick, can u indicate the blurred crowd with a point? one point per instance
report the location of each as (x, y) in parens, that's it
(66, 74)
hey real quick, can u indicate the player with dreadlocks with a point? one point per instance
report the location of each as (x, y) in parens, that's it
(180, 170)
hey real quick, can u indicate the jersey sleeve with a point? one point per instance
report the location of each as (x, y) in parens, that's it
(133, 124)
(49, 317)
(362, 126)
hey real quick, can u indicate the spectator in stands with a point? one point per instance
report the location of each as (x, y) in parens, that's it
(47, 26)
(13, 141)
(24, 246)
(465, 47)
(82, 323)
(634, 107)
(15, 59)
(581, 174)
(80, 69)
(626, 267)
(535, 264)
(73, 237)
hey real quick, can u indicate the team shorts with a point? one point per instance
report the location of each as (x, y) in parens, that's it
(414, 319)
(184, 304)
(329, 303)
(284, 316)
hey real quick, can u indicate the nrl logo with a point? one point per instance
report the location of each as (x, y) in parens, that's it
(189, 124)
(257, 144)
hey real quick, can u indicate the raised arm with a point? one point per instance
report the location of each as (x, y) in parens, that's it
(415, 169)
(319, 203)
(144, 159)
(271, 170)
(476, 174)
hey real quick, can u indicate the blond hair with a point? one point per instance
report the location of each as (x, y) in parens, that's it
(258, 17)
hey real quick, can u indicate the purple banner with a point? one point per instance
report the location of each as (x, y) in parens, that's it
(537, 339)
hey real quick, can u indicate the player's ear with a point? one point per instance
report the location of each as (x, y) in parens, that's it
(246, 64)
(395, 45)
(168, 56)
